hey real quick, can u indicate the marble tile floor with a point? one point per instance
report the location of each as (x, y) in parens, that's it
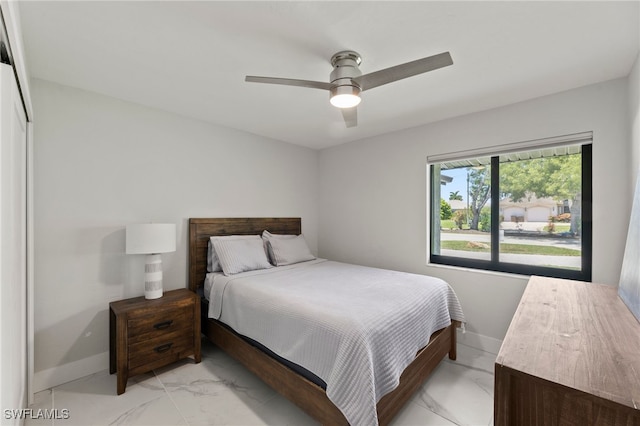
(219, 391)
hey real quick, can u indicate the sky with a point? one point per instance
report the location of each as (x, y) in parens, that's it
(459, 183)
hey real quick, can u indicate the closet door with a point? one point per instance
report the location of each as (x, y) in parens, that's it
(13, 250)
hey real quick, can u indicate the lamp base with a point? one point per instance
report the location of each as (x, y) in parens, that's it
(153, 277)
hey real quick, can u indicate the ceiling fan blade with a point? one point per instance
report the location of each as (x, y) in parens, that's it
(409, 69)
(289, 82)
(350, 116)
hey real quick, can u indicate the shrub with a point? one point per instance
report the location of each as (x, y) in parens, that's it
(485, 220)
(459, 217)
(551, 227)
(445, 210)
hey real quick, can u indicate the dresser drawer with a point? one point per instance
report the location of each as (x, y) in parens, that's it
(170, 345)
(157, 324)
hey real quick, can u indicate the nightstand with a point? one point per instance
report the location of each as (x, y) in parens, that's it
(148, 334)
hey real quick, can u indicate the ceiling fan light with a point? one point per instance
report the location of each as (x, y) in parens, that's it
(345, 96)
(345, 101)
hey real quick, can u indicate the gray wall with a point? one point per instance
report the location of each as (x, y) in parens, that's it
(102, 163)
(373, 193)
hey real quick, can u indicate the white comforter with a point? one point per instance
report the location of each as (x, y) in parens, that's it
(357, 328)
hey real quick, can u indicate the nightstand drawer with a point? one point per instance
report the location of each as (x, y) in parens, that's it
(158, 324)
(165, 346)
(145, 334)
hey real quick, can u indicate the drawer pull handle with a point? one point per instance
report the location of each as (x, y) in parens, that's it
(163, 348)
(162, 325)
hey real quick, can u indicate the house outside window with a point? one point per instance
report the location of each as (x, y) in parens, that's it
(524, 208)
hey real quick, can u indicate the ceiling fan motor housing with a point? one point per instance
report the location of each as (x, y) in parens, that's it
(345, 69)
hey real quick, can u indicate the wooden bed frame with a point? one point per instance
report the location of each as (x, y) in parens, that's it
(301, 391)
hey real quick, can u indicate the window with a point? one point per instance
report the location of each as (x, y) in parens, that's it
(525, 208)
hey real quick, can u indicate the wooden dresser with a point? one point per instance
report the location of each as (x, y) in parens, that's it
(571, 356)
(148, 334)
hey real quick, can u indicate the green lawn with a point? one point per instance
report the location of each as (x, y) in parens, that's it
(559, 227)
(513, 249)
(450, 224)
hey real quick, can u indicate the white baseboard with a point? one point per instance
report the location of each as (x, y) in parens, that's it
(55, 376)
(479, 341)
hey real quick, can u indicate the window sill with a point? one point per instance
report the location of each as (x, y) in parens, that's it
(479, 271)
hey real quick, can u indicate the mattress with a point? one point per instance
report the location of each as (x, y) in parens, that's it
(356, 328)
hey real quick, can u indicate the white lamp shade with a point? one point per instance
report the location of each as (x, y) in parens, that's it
(151, 238)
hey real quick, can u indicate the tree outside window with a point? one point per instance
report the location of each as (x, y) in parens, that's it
(528, 212)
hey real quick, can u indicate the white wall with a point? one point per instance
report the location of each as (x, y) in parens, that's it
(373, 192)
(634, 118)
(13, 246)
(20, 355)
(102, 163)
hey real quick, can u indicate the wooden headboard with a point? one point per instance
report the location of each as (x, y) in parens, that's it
(201, 229)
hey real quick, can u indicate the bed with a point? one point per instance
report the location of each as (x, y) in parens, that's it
(294, 382)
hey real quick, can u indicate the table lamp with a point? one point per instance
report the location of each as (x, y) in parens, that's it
(151, 239)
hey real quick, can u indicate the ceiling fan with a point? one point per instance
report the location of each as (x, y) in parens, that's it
(346, 80)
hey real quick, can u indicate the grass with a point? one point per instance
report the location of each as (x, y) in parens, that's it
(559, 227)
(450, 224)
(513, 249)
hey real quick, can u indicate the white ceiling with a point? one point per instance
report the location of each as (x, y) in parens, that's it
(191, 57)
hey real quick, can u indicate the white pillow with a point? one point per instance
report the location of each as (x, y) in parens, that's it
(287, 251)
(212, 259)
(268, 236)
(240, 255)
